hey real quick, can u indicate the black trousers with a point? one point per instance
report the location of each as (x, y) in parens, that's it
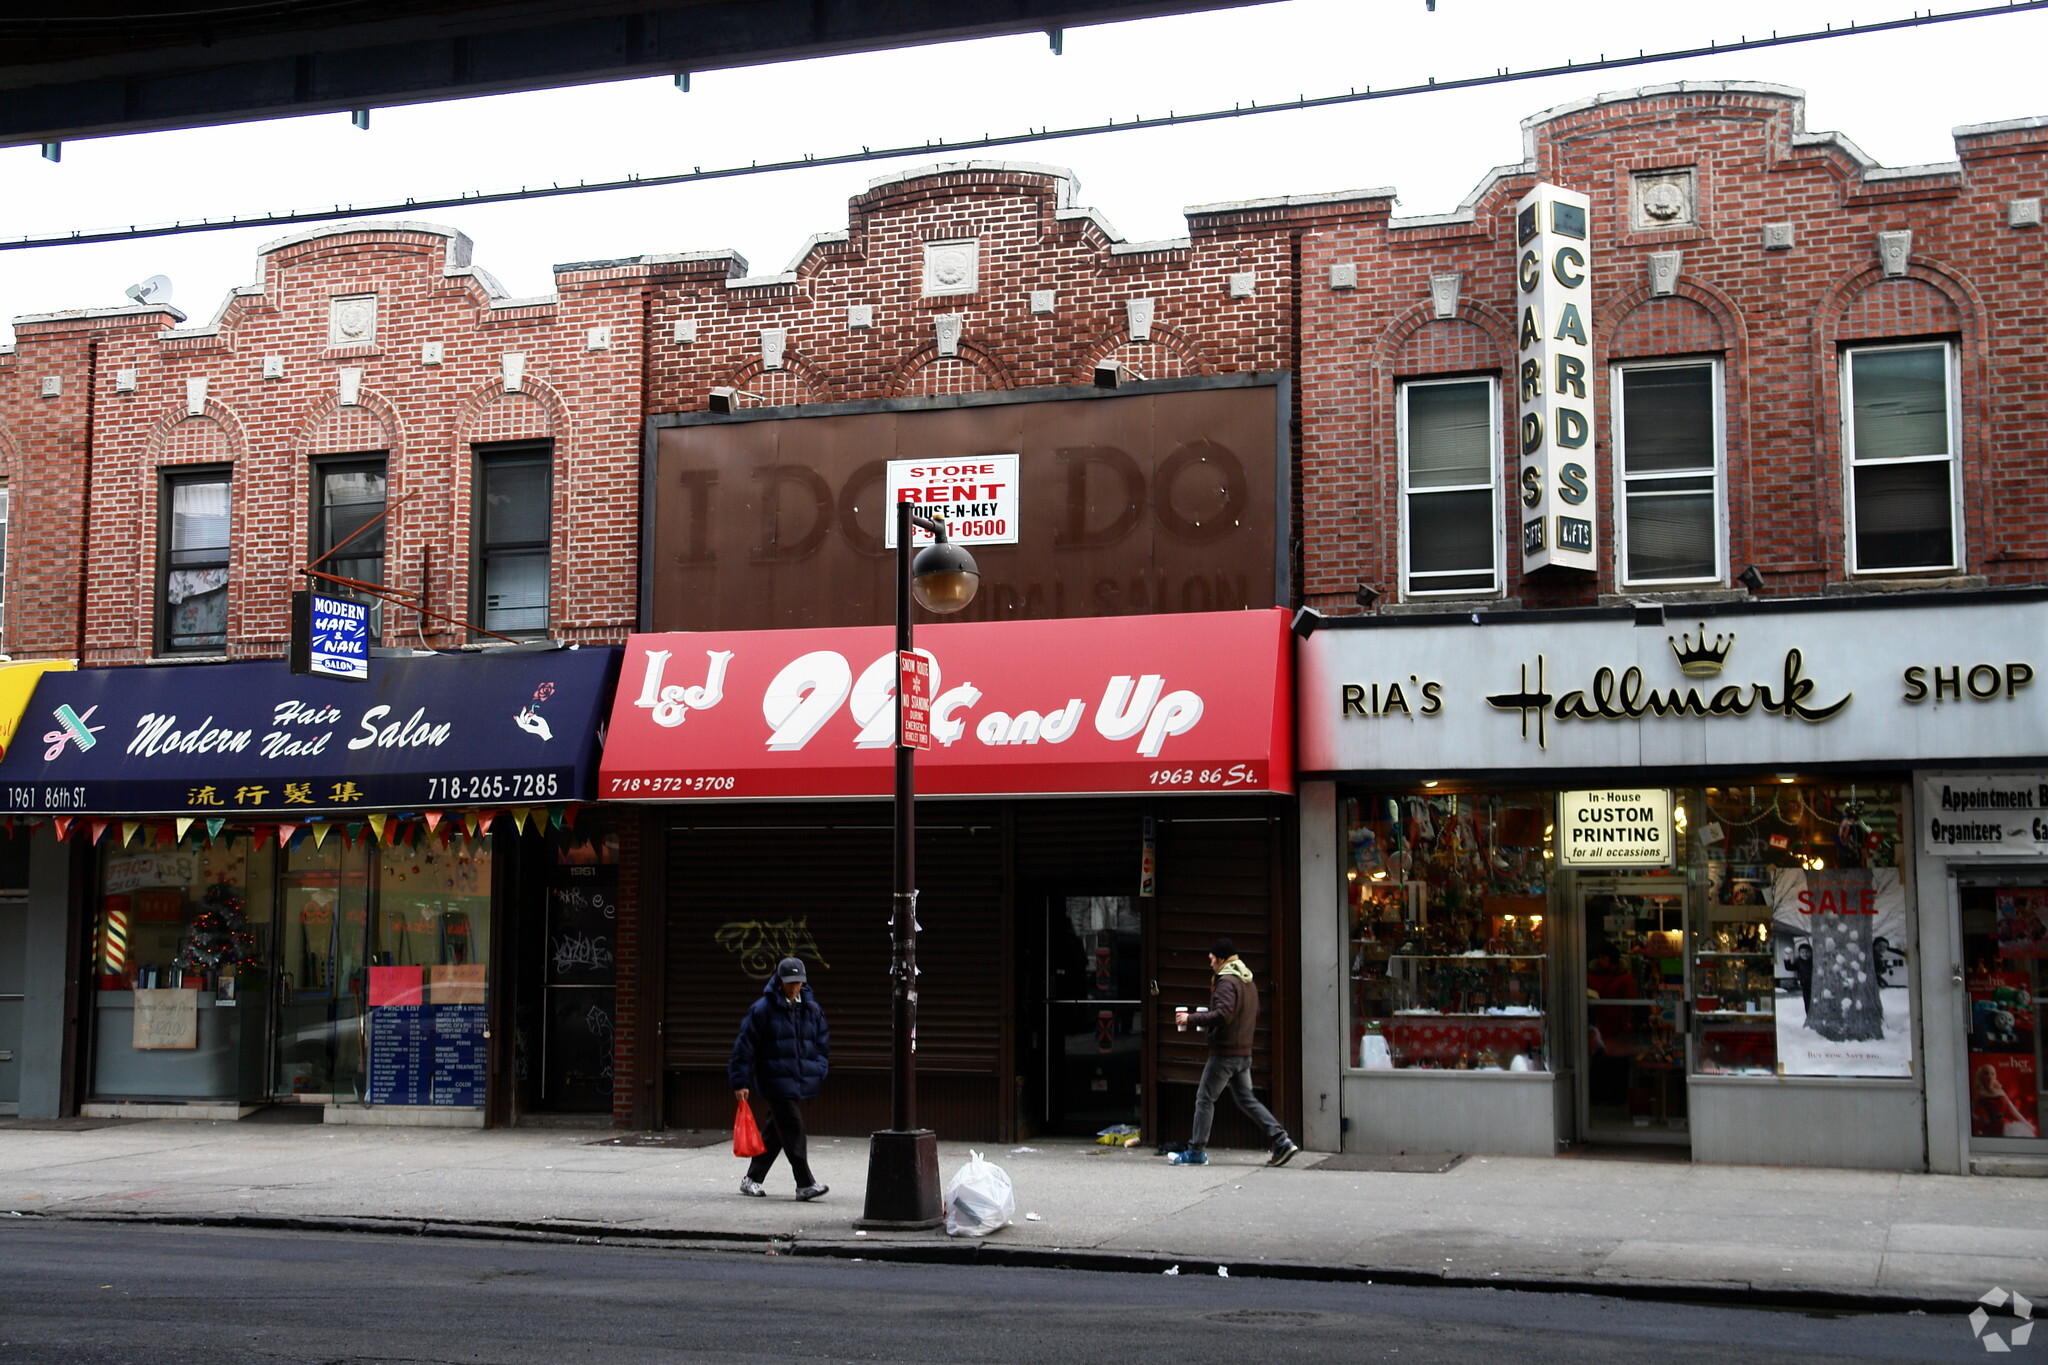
(783, 1130)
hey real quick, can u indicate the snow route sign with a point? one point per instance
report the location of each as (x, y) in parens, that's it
(914, 687)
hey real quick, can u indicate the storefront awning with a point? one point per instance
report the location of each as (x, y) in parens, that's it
(1198, 702)
(493, 729)
(17, 683)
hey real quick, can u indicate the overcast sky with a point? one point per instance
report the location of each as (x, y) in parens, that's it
(1897, 96)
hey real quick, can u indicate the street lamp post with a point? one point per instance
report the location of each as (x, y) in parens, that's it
(903, 1161)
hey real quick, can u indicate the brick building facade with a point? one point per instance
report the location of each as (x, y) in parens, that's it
(1741, 271)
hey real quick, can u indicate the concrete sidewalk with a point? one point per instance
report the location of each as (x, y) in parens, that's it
(1605, 1225)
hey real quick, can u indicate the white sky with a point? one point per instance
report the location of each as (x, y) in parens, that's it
(1895, 95)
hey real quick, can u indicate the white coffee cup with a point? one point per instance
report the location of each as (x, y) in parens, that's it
(1180, 1019)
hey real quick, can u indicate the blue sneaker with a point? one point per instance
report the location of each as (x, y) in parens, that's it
(1193, 1156)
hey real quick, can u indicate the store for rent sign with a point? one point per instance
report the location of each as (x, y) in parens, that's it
(1187, 703)
(1615, 827)
(977, 497)
(1554, 379)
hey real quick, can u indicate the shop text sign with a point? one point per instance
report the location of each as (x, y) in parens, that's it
(1984, 814)
(330, 636)
(914, 686)
(1614, 827)
(1555, 382)
(977, 497)
(1193, 702)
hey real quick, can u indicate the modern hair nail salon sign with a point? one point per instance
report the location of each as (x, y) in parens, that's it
(1949, 680)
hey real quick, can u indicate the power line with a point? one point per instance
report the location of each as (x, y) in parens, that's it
(696, 174)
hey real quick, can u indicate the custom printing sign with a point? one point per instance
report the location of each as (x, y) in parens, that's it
(253, 739)
(1554, 379)
(1105, 704)
(1614, 828)
(977, 497)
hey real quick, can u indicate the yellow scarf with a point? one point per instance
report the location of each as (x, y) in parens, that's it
(1235, 967)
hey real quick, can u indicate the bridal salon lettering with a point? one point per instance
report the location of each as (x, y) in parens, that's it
(160, 734)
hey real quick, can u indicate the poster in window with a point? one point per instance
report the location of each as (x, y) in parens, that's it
(2023, 923)
(2005, 1096)
(1839, 936)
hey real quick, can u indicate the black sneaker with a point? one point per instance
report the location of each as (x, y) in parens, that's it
(1283, 1152)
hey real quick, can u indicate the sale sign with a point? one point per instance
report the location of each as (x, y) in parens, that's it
(1195, 702)
(977, 497)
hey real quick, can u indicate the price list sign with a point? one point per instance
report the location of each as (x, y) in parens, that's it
(458, 1054)
(400, 1057)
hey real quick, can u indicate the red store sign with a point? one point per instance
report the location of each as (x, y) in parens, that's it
(1198, 702)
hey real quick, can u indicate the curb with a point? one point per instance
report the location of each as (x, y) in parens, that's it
(959, 1251)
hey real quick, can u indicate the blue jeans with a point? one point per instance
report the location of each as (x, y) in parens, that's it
(1236, 1073)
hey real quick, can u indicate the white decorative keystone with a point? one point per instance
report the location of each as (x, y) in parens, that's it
(348, 387)
(686, 331)
(431, 352)
(860, 316)
(2023, 213)
(598, 339)
(125, 381)
(1344, 276)
(273, 367)
(1664, 272)
(1894, 250)
(1041, 302)
(1777, 236)
(1138, 312)
(946, 330)
(195, 397)
(1243, 284)
(53, 386)
(512, 369)
(774, 341)
(1443, 293)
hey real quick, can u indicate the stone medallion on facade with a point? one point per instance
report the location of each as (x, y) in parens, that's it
(952, 267)
(1662, 199)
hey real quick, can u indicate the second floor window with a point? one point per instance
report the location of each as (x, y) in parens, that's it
(1450, 486)
(1903, 437)
(1668, 447)
(348, 495)
(3, 546)
(194, 559)
(509, 567)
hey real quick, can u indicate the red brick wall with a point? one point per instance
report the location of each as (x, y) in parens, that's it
(1777, 317)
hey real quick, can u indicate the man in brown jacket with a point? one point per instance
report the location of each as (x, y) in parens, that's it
(1230, 1019)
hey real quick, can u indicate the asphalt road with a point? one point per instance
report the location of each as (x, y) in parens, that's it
(104, 1292)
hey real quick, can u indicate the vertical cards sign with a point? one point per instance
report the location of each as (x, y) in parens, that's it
(1555, 380)
(330, 636)
(977, 496)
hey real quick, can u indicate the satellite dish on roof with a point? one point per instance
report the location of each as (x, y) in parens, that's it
(155, 289)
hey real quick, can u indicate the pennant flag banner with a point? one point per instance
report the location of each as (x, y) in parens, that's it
(320, 831)
(433, 819)
(377, 823)
(185, 822)
(129, 829)
(285, 831)
(214, 823)
(62, 825)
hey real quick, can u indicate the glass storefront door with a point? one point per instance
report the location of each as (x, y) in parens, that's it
(2005, 971)
(322, 922)
(1094, 1013)
(1633, 1048)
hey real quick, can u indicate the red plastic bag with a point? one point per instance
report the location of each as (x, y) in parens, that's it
(746, 1137)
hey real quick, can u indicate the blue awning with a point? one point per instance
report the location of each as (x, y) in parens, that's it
(517, 728)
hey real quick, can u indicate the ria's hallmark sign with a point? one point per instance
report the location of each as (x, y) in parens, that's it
(1614, 828)
(1555, 380)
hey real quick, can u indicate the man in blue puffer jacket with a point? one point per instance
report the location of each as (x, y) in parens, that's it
(784, 1051)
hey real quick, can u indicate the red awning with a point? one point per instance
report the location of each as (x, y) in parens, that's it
(1199, 702)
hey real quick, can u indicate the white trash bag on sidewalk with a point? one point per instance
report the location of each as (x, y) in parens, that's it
(979, 1199)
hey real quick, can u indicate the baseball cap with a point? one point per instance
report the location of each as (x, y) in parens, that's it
(791, 969)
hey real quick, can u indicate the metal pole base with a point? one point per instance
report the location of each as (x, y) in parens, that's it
(903, 1182)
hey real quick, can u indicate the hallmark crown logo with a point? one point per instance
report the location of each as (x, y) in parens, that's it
(1697, 658)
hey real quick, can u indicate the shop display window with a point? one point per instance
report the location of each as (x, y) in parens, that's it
(1448, 901)
(2005, 956)
(1798, 928)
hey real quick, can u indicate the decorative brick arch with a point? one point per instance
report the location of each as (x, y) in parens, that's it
(328, 428)
(1170, 354)
(180, 437)
(534, 413)
(798, 381)
(925, 371)
(1640, 325)
(1418, 342)
(1929, 300)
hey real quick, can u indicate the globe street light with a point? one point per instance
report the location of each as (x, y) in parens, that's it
(903, 1161)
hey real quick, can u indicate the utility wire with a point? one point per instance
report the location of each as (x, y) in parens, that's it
(1501, 76)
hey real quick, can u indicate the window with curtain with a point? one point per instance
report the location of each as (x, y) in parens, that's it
(1668, 441)
(1450, 486)
(193, 587)
(1903, 437)
(3, 548)
(509, 567)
